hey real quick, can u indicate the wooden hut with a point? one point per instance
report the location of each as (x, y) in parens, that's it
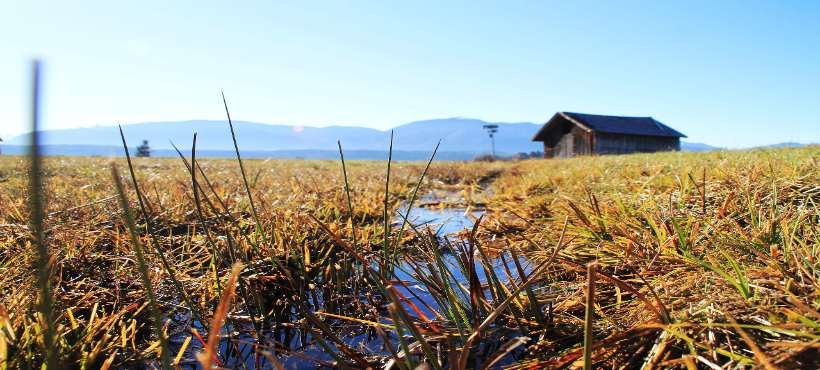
(569, 134)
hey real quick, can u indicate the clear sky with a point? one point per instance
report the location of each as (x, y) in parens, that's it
(727, 73)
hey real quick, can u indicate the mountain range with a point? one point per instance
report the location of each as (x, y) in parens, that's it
(461, 138)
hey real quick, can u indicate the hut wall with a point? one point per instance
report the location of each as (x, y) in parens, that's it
(621, 144)
(549, 151)
(575, 142)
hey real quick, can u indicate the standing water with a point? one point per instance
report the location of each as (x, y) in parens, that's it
(446, 223)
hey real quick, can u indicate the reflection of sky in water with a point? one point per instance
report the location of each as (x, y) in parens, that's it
(444, 220)
(405, 273)
(242, 355)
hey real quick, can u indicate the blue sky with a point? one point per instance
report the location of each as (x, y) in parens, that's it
(728, 73)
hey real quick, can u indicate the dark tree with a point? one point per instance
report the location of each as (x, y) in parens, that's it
(144, 150)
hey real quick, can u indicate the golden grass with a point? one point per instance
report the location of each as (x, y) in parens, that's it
(708, 238)
(703, 259)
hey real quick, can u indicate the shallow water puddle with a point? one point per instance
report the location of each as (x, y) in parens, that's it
(236, 346)
(416, 292)
(446, 223)
(442, 221)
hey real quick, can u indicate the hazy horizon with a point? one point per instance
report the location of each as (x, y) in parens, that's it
(730, 74)
(298, 129)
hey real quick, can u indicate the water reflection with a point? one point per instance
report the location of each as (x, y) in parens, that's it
(442, 221)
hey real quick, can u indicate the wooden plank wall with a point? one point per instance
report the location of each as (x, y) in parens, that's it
(576, 142)
(621, 144)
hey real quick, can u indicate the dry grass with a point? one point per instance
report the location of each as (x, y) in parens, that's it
(703, 260)
(713, 244)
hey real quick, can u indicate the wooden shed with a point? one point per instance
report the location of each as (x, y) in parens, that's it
(569, 134)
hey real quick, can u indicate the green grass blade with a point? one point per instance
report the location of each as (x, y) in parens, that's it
(386, 243)
(143, 269)
(414, 194)
(169, 269)
(259, 229)
(347, 193)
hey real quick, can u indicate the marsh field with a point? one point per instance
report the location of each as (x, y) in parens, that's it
(667, 260)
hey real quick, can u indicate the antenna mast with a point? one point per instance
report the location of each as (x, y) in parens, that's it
(491, 130)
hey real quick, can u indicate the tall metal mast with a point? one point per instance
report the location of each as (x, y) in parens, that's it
(492, 129)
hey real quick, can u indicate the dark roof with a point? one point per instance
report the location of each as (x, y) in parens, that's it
(646, 126)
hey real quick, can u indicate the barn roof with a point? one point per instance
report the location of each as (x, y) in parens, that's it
(646, 126)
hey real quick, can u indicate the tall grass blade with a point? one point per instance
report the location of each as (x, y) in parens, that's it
(143, 269)
(223, 210)
(259, 230)
(400, 313)
(37, 205)
(492, 316)
(233, 252)
(169, 269)
(405, 347)
(386, 215)
(415, 193)
(347, 193)
(533, 300)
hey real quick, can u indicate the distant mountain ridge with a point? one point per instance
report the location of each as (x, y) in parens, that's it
(788, 144)
(109, 151)
(456, 134)
(696, 147)
(461, 138)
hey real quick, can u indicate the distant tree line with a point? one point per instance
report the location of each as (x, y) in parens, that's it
(514, 157)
